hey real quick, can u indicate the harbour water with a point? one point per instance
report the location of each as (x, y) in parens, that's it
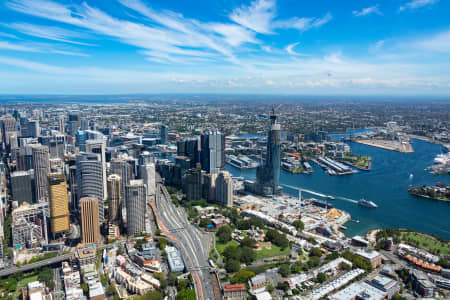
(386, 185)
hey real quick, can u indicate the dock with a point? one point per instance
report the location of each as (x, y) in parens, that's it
(402, 147)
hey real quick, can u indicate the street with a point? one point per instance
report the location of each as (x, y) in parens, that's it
(193, 246)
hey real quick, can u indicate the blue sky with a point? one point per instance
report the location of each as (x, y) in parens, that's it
(398, 47)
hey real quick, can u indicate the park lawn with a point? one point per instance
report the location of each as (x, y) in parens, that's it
(273, 251)
(427, 243)
(221, 246)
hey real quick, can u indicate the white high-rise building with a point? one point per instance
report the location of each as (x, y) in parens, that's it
(224, 189)
(136, 206)
(147, 173)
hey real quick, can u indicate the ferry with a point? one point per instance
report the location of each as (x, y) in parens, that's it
(367, 203)
(330, 197)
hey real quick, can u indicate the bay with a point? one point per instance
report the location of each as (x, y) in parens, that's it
(386, 184)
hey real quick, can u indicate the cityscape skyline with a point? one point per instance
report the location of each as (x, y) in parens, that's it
(261, 46)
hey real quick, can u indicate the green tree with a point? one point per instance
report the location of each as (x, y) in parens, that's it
(298, 225)
(232, 265)
(242, 276)
(205, 222)
(186, 295)
(321, 277)
(248, 255)
(232, 252)
(152, 295)
(397, 296)
(284, 270)
(315, 252)
(162, 243)
(313, 261)
(182, 284)
(224, 233)
(248, 242)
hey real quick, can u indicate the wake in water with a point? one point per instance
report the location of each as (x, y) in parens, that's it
(319, 194)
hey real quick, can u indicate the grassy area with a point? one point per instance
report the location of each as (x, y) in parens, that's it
(221, 247)
(273, 251)
(426, 242)
(27, 280)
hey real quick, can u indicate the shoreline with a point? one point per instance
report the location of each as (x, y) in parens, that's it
(388, 145)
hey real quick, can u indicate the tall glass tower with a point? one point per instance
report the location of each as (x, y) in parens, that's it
(268, 175)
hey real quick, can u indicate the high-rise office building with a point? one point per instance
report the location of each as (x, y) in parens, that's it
(55, 143)
(74, 123)
(80, 140)
(136, 206)
(115, 198)
(21, 187)
(268, 175)
(193, 184)
(224, 189)
(163, 134)
(61, 125)
(84, 124)
(146, 158)
(58, 203)
(9, 127)
(89, 179)
(213, 151)
(189, 147)
(41, 166)
(90, 224)
(120, 167)
(147, 173)
(98, 146)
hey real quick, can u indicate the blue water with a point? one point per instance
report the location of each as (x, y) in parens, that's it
(386, 184)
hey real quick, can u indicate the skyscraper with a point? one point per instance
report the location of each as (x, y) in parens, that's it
(193, 184)
(189, 147)
(61, 125)
(9, 128)
(147, 173)
(268, 175)
(212, 156)
(90, 224)
(74, 122)
(120, 167)
(224, 189)
(114, 184)
(89, 179)
(59, 203)
(98, 146)
(21, 187)
(80, 139)
(163, 133)
(41, 167)
(136, 206)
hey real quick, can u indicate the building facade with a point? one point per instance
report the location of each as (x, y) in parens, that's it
(90, 225)
(58, 204)
(136, 206)
(41, 166)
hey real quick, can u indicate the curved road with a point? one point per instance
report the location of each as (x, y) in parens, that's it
(191, 243)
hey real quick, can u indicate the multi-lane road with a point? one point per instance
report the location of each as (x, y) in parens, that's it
(193, 245)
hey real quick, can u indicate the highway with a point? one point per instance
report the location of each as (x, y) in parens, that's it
(193, 245)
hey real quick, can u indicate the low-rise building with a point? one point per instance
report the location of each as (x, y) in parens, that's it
(234, 292)
(86, 254)
(175, 261)
(258, 282)
(359, 290)
(372, 256)
(421, 284)
(385, 284)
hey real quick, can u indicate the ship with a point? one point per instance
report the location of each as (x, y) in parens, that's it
(330, 197)
(367, 203)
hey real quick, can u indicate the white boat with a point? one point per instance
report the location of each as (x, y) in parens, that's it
(367, 203)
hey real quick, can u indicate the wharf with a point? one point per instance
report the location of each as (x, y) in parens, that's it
(388, 145)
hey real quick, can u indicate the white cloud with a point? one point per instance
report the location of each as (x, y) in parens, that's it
(37, 48)
(303, 24)
(290, 49)
(257, 17)
(414, 4)
(437, 43)
(8, 35)
(48, 32)
(367, 11)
